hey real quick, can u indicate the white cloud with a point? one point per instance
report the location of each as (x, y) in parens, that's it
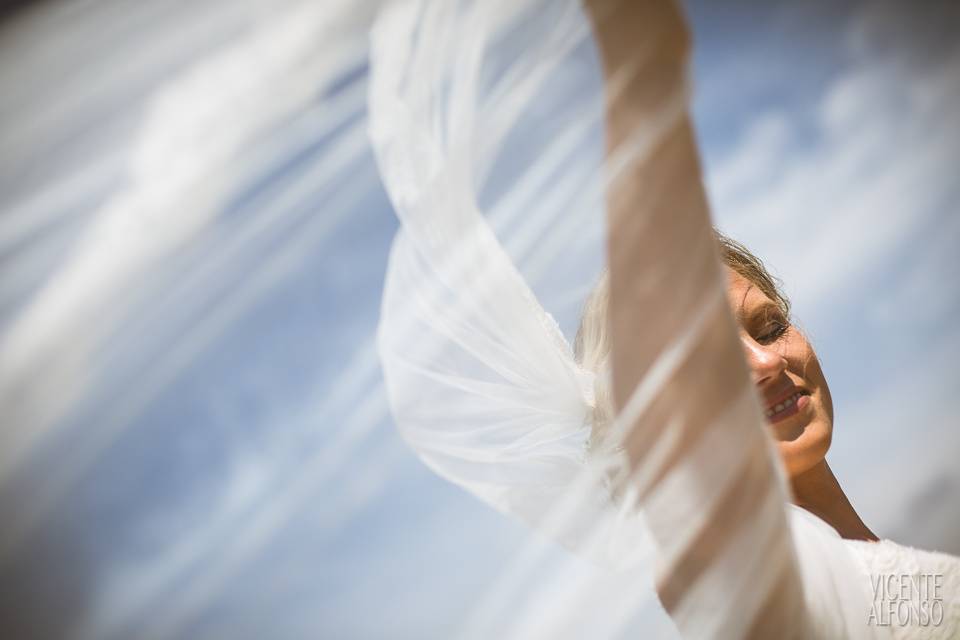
(751, 163)
(843, 199)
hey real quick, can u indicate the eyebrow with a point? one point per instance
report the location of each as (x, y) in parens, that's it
(764, 310)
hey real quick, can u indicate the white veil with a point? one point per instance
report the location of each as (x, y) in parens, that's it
(483, 384)
(471, 360)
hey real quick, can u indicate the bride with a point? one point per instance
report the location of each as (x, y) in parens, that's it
(693, 424)
(783, 366)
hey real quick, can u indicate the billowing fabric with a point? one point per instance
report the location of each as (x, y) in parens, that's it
(471, 360)
(483, 384)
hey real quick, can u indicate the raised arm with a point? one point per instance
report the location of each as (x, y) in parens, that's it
(709, 487)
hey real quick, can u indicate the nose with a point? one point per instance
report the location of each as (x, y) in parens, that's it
(766, 363)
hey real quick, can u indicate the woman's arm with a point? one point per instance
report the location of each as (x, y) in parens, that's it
(703, 515)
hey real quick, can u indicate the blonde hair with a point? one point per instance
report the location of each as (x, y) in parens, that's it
(591, 347)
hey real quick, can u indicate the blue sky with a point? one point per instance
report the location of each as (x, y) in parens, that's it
(258, 488)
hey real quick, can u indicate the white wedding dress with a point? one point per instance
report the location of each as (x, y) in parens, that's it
(483, 384)
(861, 565)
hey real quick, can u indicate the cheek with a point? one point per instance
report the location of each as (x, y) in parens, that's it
(811, 445)
(813, 376)
(802, 362)
(824, 392)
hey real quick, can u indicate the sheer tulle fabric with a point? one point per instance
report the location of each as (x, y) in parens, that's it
(482, 382)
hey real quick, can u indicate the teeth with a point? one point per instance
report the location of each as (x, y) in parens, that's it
(786, 404)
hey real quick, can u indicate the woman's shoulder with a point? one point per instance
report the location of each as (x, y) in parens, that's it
(886, 556)
(881, 589)
(883, 556)
(916, 593)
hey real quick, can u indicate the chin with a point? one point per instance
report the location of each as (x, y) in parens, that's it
(808, 449)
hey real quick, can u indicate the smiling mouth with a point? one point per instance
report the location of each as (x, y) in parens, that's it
(784, 408)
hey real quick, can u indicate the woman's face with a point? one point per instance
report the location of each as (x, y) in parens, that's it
(785, 369)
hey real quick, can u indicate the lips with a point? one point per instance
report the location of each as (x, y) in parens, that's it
(783, 407)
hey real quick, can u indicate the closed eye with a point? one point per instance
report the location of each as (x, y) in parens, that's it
(773, 332)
